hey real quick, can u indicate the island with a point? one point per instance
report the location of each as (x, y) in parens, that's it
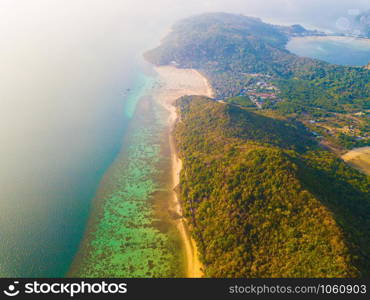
(262, 185)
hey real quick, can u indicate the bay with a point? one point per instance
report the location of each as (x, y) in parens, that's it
(347, 51)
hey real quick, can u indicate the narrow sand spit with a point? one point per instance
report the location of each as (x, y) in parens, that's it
(175, 83)
(359, 158)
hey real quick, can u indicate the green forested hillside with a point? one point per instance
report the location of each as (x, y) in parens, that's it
(227, 47)
(262, 197)
(248, 65)
(264, 200)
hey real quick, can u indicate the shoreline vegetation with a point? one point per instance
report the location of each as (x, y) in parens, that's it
(265, 200)
(175, 83)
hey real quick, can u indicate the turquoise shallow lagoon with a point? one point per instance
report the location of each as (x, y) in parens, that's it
(337, 50)
(42, 225)
(130, 233)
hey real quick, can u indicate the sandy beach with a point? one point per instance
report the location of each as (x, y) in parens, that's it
(175, 83)
(359, 158)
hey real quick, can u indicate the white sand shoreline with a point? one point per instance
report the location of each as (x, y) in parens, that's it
(359, 158)
(176, 83)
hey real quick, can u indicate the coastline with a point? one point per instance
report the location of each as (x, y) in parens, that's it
(125, 237)
(339, 50)
(175, 83)
(337, 38)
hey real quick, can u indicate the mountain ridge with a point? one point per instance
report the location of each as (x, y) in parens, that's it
(263, 209)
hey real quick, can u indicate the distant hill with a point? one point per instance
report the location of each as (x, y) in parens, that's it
(298, 30)
(229, 48)
(264, 200)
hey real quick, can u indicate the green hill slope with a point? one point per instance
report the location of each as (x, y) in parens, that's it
(264, 201)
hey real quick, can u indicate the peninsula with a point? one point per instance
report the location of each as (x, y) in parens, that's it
(263, 193)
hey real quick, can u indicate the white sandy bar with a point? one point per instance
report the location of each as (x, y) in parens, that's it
(176, 83)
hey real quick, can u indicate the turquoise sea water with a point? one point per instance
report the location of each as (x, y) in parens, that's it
(340, 50)
(130, 233)
(40, 234)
